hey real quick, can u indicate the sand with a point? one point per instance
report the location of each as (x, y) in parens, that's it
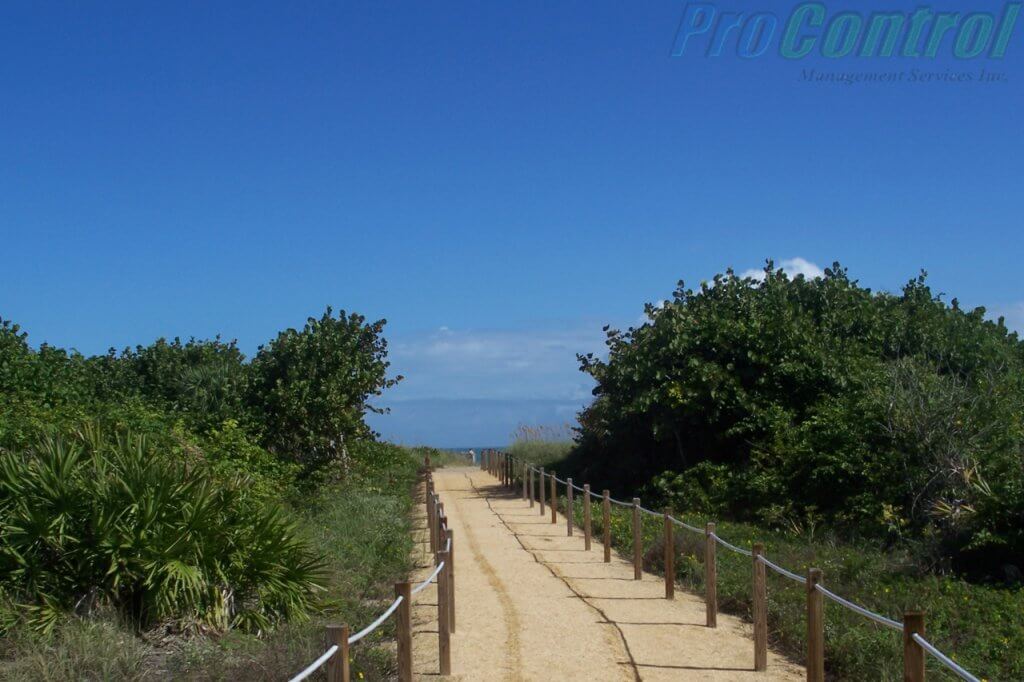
(532, 604)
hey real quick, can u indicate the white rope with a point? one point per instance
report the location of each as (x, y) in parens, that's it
(651, 512)
(731, 546)
(781, 571)
(315, 665)
(860, 609)
(582, 490)
(423, 585)
(944, 659)
(375, 624)
(687, 526)
(620, 502)
(559, 480)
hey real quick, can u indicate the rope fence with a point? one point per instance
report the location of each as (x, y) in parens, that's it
(509, 469)
(336, 657)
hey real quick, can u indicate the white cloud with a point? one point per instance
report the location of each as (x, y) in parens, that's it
(792, 267)
(508, 364)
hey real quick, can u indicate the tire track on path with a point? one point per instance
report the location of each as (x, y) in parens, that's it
(510, 616)
(583, 598)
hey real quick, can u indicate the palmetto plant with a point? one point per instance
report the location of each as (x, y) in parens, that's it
(91, 518)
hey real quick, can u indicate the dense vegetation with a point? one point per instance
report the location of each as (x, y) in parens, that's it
(166, 485)
(879, 437)
(817, 402)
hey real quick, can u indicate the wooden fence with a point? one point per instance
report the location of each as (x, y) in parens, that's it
(513, 472)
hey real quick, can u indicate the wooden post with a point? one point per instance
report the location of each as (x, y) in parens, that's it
(587, 532)
(450, 569)
(426, 461)
(638, 542)
(439, 529)
(606, 526)
(529, 487)
(337, 665)
(522, 469)
(710, 577)
(444, 650)
(540, 487)
(760, 612)
(430, 516)
(403, 631)
(913, 654)
(815, 628)
(570, 511)
(554, 499)
(670, 558)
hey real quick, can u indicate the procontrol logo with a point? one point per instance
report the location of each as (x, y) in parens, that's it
(811, 28)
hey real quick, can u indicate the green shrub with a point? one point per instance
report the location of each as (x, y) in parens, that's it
(897, 417)
(91, 520)
(311, 387)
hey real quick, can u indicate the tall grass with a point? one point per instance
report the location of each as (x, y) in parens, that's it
(542, 445)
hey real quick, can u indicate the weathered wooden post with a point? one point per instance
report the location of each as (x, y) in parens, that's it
(760, 611)
(444, 650)
(403, 631)
(815, 628)
(451, 578)
(543, 482)
(670, 557)
(439, 527)
(337, 665)
(606, 526)
(638, 542)
(431, 515)
(587, 532)
(554, 499)
(570, 510)
(522, 469)
(710, 576)
(529, 487)
(913, 654)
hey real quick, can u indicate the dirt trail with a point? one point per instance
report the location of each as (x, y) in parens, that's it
(532, 604)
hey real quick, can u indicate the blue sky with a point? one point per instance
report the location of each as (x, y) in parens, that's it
(498, 180)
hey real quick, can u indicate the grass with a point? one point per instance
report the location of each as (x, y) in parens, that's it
(979, 626)
(542, 446)
(363, 529)
(78, 649)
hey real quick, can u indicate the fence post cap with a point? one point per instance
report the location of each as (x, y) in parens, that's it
(710, 528)
(636, 501)
(758, 548)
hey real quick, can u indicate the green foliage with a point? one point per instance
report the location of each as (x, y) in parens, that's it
(311, 387)
(796, 401)
(91, 520)
(362, 526)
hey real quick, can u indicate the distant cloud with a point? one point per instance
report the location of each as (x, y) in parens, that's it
(473, 386)
(792, 267)
(506, 364)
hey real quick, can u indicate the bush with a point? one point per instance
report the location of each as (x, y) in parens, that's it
(311, 387)
(897, 417)
(92, 520)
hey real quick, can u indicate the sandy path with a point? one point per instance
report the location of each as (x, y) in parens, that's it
(531, 604)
